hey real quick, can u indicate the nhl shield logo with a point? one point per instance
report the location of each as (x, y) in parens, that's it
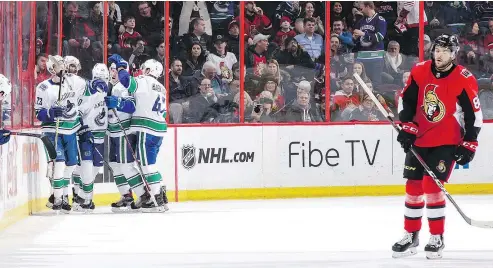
(188, 156)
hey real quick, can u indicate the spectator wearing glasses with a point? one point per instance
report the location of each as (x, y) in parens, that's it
(201, 104)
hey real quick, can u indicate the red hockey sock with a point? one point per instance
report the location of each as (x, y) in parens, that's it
(435, 206)
(414, 206)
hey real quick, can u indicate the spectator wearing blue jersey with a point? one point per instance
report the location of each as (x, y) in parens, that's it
(368, 35)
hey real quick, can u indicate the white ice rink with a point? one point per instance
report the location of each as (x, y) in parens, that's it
(328, 232)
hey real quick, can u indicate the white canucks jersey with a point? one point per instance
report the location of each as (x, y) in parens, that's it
(94, 113)
(47, 96)
(150, 106)
(114, 129)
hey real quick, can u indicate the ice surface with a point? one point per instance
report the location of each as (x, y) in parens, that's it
(323, 232)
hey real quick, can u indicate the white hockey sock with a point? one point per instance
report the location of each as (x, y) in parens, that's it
(67, 175)
(153, 178)
(87, 178)
(120, 179)
(77, 180)
(58, 181)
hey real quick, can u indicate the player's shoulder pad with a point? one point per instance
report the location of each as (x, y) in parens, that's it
(43, 86)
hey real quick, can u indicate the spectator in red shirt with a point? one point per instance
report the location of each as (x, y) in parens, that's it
(345, 101)
(41, 73)
(284, 32)
(255, 22)
(129, 23)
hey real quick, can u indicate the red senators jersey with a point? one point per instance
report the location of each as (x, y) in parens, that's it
(443, 105)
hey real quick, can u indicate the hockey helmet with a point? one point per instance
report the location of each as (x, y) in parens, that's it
(447, 41)
(152, 67)
(71, 60)
(99, 71)
(55, 64)
(5, 86)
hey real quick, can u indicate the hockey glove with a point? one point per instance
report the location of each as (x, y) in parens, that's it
(112, 102)
(98, 85)
(407, 135)
(85, 135)
(55, 112)
(118, 60)
(4, 136)
(464, 153)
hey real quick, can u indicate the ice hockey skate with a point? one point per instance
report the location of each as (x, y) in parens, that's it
(136, 206)
(150, 207)
(435, 247)
(124, 204)
(50, 202)
(406, 246)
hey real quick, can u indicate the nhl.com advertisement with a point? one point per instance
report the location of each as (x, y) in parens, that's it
(192, 156)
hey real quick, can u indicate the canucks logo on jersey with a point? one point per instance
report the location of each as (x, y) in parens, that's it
(100, 119)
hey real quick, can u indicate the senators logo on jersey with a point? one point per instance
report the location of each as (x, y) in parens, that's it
(432, 106)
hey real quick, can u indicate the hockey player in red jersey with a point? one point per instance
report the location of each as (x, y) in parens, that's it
(441, 118)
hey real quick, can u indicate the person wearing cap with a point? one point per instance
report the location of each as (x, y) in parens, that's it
(221, 58)
(284, 32)
(233, 38)
(256, 55)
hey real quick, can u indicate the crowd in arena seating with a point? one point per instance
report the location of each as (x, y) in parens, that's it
(284, 51)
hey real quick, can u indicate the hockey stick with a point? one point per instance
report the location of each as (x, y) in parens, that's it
(147, 187)
(475, 223)
(46, 142)
(102, 157)
(62, 68)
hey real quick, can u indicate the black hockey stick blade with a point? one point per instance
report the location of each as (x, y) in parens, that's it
(50, 148)
(480, 224)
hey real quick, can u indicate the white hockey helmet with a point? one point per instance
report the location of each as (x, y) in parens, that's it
(5, 87)
(71, 60)
(100, 71)
(55, 64)
(152, 67)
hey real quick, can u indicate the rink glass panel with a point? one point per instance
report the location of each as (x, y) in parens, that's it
(400, 46)
(213, 102)
(289, 85)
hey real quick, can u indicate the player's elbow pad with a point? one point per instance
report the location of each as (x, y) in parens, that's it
(124, 78)
(43, 116)
(127, 106)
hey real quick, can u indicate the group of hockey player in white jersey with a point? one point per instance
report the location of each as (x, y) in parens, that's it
(77, 115)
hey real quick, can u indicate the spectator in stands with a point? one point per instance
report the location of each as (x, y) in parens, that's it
(367, 111)
(190, 11)
(209, 73)
(435, 14)
(309, 11)
(136, 55)
(115, 14)
(262, 112)
(345, 100)
(302, 110)
(284, 32)
(293, 55)
(299, 27)
(161, 53)
(41, 73)
(486, 100)
(345, 37)
(255, 22)
(95, 23)
(408, 12)
(196, 35)
(388, 10)
(395, 64)
(336, 13)
(338, 67)
(129, 24)
(488, 37)
(149, 23)
(72, 30)
(310, 41)
(247, 104)
(289, 9)
(180, 90)
(233, 40)
(359, 68)
(457, 12)
(223, 59)
(484, 12)
(194, 59)
(369, 34)
(427, 47)
(270, 84)
(256, 55)
(470, 43)
(201, 104)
